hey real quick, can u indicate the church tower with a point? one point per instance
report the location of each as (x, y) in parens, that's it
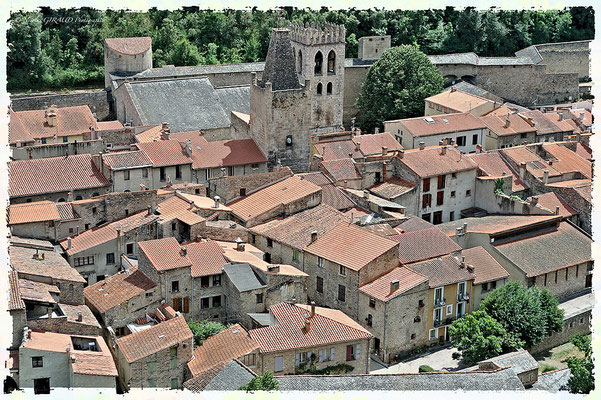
(319, 54)
(280, 107)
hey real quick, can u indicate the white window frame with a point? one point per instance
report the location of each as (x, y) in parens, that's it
(464, 283)
(320, 262)
(449, 309)
(441, 313)
(457, 309)
(435, 336)
(342, 270)
(441, 289)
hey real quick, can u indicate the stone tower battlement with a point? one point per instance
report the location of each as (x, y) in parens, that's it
(310, 34)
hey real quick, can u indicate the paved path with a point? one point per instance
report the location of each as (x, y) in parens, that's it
(439, 359)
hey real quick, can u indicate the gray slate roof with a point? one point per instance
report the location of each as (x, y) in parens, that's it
(505, 379)
(169, 71)
(577, 305)
(553, 381)
(474, 59)
(231, 377)
(189, 104)
(520, 361)
(243, 277)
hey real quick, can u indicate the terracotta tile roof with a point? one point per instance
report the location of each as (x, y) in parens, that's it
(150, 133)
(330, 194)
(196, 138)
(372, 144)
(164, 254)
(130, 45)
(280, 193)
(558, 120)
(534, 164)
(109, 125)
(154, 339)
(232, 343)
(32, 212)
(117, 289)
(295, 231)
(486, 268)
(392, 187)
(568, 161)
(492, 164)
(15, 302)
(584, 151)
(53, 265)
(458, 100)
(187, 217)
(444, 123)
(206, 257)
(17, 131)
(126, 160)
(174, 204)
(430, 162)
(495, 224)
(165, 152)
(84, 362)
(543, 125)
(254, 257)
(548, 252)
(102, 234)
(517, 125)
(202, 202)
(56, 174)
(72, 312)
(413, 223)
(551, 200)
(588, 116)
(443, 271)
(66, 211)
(226, 153)
(342, 169)
(423, 244)
(337, 149)
(379, 288)
(37, 291)
(350, 245)
(327, 326)
(71, 121)
(242, 116)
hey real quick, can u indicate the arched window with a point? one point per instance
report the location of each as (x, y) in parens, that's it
(300, 62)
(318, 63)
(329, 88)
(332, 62)
(79, 198)
(319, 88)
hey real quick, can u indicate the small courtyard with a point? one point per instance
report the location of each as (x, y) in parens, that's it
(438, 359)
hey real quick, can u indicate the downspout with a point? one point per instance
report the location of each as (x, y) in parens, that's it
(385, 323)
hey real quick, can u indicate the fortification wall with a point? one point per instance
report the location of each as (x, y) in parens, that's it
(569, 57)
(57, 150)
(97, 100)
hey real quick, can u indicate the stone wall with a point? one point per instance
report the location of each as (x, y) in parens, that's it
(372, 47)
(229, 187)
(97, 100)
(494, 203)
(19, 321)
(227, 231)
(57, 150)
(353, 79)
(567, 57)
(577, 325)
(61, 325)
(62, 196)
(118, 62)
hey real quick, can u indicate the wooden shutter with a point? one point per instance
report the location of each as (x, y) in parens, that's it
(176, 304)
(186, 304)
(349, 352)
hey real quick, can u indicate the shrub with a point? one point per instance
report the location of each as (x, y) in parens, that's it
(425, 368)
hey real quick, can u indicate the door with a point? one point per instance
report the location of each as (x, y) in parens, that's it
(437, 218)
(278, 364)
(589, 281)
(41, 386)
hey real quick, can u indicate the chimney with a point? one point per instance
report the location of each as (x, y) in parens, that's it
(366, 194)
(273, 268)
(376, 130)
(149, 209)
(358, 145)
(239, 244)
(313, 236)
(28, 333)
(422, 145)
(217, 199)
(507, 122)
(534, 200)
(560, 116)
(43, 256)
(478, 148)
(312, 309)
(522, 170)
(445, 141)
(187, 146)
(70, 196)
(453, 89)
(452, 141)
(581, 116)
(557, 210)
(443, 150)
(402, 154)
(166, 127)
(79, 317)
(307, 326)
(69, 244)
(183, 251)
(465, 228)
(546, 176)
(394, 285)
(462, 262)
(384, 171)
(51, 117)
(384, 150)
(440, 143)
(223, 171)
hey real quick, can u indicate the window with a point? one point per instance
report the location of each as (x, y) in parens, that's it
(178, 172)
(259, 297)
(152, 383)
(37, 362)
(433, 334)
(173, 226)
(319, 88)
(320, 262)
(80, 261)
(129, 248)
(369, 320)
(437, 314)
(300, 62)
(437, 219)
(460, 310)
(461, 289)
(454, 175)
(250, 360)
(94, 210)
(460, 140)
(126, 210)
(65, 139)
(174, 286)
(555, 276)
(110, 258)
(372, 303)
(269, 242)
(43, 140)
(216, 301)
(302, 358)
(341, 293)
(342, 270)
(151, 367)
(439, 198)
(426, 217)
(420, 304)
(441, 182)
(204, 303)
(438, 295)
(254, 166)
(87, 226)
(144, 172)
(426, 200)
(329, 88)
(318, 63)
(319, 285)
(475, 139)
(353, 352)
(295, 255)
(452, 216)
(126, 175)
(216, 280)
(326, 355)
(426, 185)
(278, 364)
(412, 336)
(485, 286)
(493, 285)
(531, 281)
(452, 193)
(174, 383)
(332, 62)
(70, 230)
(204, 281)
(523, 135)
(242, 192)
(162, 174)
(468, 193)
(449, 309)
(78, 198)
(99, 278)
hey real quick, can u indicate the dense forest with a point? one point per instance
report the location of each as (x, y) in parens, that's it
(63, 48)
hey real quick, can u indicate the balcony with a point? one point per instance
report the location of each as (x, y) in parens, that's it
(463, 297)
(442, 322)
(439, 302)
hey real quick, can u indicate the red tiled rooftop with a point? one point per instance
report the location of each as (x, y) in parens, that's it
(196, 138)
(497, 124)
(372, 144)
(126, 160)
(486, 268)
(226, 153)
(568, 161)
(543, 125)
(379, 288)
(52, 266)
(17, 131)
(551, 201)
(71, 121)
(130, 45)
(561, 122)
(164, 254)
(337, 149)
(38, 211)
(443, 271)
(165, 152)
(424, 244)
(330, 194)
(444, 123)
(206, 257)
(431, 162)
(458, 100)
(15, 302)
(342, 169)
(492, 165)
(109, 125)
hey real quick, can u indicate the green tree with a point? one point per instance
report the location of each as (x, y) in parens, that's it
(529, 313)
(582, 380)
(265, 382)
(479, 336)
(396, 86)
(186, 53)
(203, 329)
